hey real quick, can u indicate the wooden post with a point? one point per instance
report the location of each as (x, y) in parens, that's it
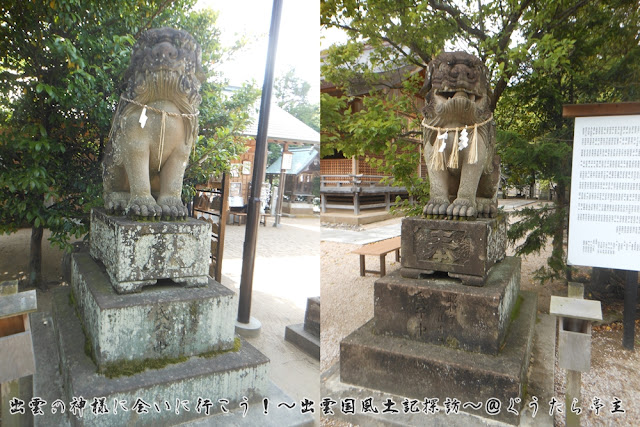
(21, 388)
(356, 203)
(630, 304)
(574, 378)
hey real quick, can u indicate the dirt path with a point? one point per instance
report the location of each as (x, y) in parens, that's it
(14, 257)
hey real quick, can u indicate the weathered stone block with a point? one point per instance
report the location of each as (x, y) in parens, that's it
(417, 370)
(162, 321)
(230, 375)
(137, 254)
(464, 249)
(304, 340)
(443, 311)
(312, 316)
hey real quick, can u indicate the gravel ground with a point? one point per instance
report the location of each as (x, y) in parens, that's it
(347, 303)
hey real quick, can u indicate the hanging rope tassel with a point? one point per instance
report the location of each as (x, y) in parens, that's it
(116, 117)
(453, 158)
(162, 127)
(473, 150)
(437, 156)
(460, 143)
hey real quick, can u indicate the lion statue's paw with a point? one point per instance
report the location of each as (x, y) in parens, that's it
(486, 207)
(116, 202)
(143, 207)
(172, 207)
(461, 209)
(436, 206)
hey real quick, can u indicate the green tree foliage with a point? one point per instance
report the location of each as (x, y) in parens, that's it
(291, 94)
(61, 76)
(602, 64)
(540, 55)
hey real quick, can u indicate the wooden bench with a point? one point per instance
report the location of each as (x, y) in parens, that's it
(237, 217)
(381, 249)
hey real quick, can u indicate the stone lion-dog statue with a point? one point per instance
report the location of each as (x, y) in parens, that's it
(459, 139)
(154, 127)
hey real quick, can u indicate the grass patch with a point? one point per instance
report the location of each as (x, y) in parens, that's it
(87, 343)
(132, 367)
(451, 342)
(515, 312)
(237, 345)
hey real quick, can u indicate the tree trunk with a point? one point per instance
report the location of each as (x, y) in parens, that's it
(35, 257)
(558, 235)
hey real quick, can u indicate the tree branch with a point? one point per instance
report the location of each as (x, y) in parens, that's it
(460, 19)
(148, 24)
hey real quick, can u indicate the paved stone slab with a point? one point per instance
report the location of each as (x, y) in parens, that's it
(137, 253)
(312, 316)
(360, 237)
(160, 321)
(464, 249)
(47, 381)
(418, 370)
(307, 342)
(229, 376)
(443, 311)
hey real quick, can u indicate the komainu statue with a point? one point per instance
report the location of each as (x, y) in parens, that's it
(154, 126)
(459, 138)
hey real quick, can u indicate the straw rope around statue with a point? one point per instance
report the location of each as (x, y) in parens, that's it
(143, 121)
(460, 142)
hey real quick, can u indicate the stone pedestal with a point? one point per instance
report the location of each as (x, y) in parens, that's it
(165, 321)
(464, 249)
(136, 253)
(167, 350)
(306, 335)
(422, 370)
(433, 336)
(230, 375)
(443, 311)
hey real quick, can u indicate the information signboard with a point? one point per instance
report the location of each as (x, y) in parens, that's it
(604, 220)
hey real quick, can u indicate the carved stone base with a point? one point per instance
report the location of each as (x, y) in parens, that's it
(420, 370)
(443, 311)
(232, 375)
(138, 253)
(160, 322)
(464, 249)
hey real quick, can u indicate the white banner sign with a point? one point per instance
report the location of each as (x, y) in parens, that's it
(604, 221)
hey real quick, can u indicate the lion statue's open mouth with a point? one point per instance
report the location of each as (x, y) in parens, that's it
(154, 127)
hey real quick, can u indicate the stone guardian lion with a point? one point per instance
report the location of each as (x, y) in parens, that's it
(459, 139)
(154, 126)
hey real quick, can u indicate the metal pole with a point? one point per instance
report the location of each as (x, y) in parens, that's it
(259, 167)
(630, 304)
(283, 177)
